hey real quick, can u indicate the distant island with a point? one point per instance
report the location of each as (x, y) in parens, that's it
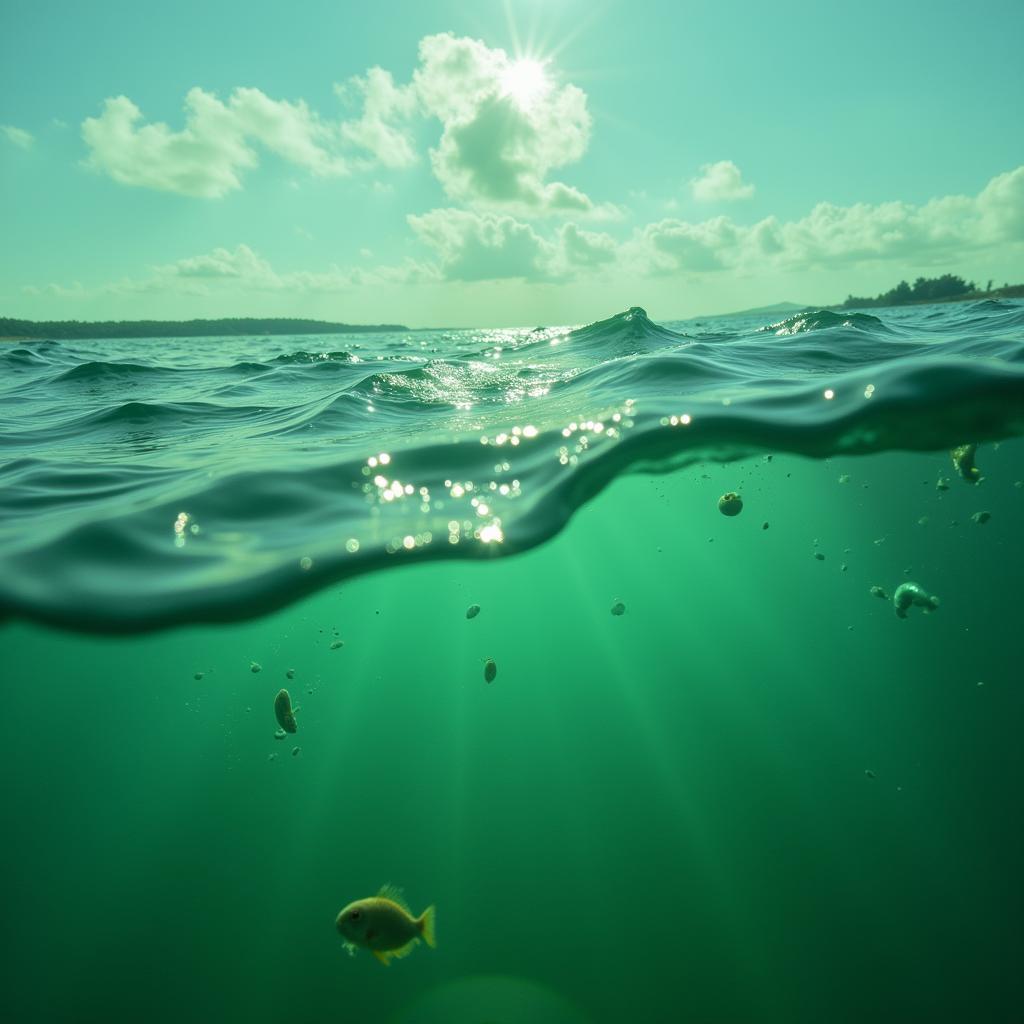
(233, 327)
(948, 288)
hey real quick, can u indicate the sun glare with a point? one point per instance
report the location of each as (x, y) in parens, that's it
(525, 82)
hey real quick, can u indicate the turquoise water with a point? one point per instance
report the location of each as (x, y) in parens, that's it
(756, 795)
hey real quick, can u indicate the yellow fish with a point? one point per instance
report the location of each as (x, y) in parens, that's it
(384, 925)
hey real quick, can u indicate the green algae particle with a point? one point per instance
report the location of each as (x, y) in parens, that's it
(490, 670)
(472, 611)
(730, 504)
(618, 608)
(963, 462)
(283, 711)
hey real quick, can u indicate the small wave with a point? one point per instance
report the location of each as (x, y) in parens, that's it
(362, 463)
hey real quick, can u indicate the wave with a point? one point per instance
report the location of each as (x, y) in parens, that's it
(181, 505)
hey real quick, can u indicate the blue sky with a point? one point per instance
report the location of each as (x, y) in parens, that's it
(508, 161)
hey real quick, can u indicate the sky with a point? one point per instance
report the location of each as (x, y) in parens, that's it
(501, 162)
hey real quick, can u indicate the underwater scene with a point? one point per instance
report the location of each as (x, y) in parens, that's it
(630, 671)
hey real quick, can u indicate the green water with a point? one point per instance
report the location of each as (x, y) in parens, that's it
(663, 816)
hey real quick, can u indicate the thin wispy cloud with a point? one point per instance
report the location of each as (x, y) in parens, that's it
(720, 183)
(17, 136)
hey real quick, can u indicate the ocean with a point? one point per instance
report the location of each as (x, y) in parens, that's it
(729, 768)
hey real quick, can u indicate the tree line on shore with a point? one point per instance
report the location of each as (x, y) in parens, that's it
(232, 327)
(947, 288)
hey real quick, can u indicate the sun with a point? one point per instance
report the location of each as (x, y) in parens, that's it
(524, 82)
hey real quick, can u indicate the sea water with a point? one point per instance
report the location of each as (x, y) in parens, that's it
(757, 794)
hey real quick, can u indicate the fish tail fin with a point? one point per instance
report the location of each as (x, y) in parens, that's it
(425, 923)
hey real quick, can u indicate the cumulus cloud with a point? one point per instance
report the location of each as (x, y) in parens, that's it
(206, 157)
(499, 143)
(506, 125)
(481, 246)
(387, 109)
(486, 246)
(720, 182)
(832, 236)
(17, 136)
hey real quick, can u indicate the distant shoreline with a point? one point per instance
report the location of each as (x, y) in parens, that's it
(72, 330)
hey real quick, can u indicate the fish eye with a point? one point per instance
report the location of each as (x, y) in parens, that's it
(355, 915)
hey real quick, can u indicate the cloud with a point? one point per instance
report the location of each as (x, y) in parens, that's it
(486, 246)
(206, 157)
(387, 109)
(501, 135)
(497, 149)
(243, 271)
(482, 246)
(17, 136)
(839, 236)
(720, 182)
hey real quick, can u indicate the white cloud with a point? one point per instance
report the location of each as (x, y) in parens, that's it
(243, 271)
(387, 109)
(720, 182)
(482, 246)
(495, 151)
(498, 145)
(206, 157)
(486, 245)
(18, 136)
(837, 236)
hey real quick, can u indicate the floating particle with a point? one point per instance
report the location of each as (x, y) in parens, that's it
(255, 666)
(881, 540)
(963, 462)
(272, 757)
(768, 458)
(306, 563)
(296, 751)
(335, 644)
(730, 504)
(981, 517)
(283, 711)
(910, 594)
(845, 478)
(843, 567)
(490, 670)
(819, 556)
(942, 484)
(198, 676)
(1018, 484)
(279, 734)
(290, 673)
(764, 526)
(618, 608)
(870, 774)
(472, 611)
(923, 521)
(247, 710)
(879, 592)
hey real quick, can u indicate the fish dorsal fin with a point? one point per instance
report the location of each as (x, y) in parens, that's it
(394, 893)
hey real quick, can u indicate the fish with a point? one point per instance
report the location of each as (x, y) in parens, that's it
(283, 711)
(384, 925)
